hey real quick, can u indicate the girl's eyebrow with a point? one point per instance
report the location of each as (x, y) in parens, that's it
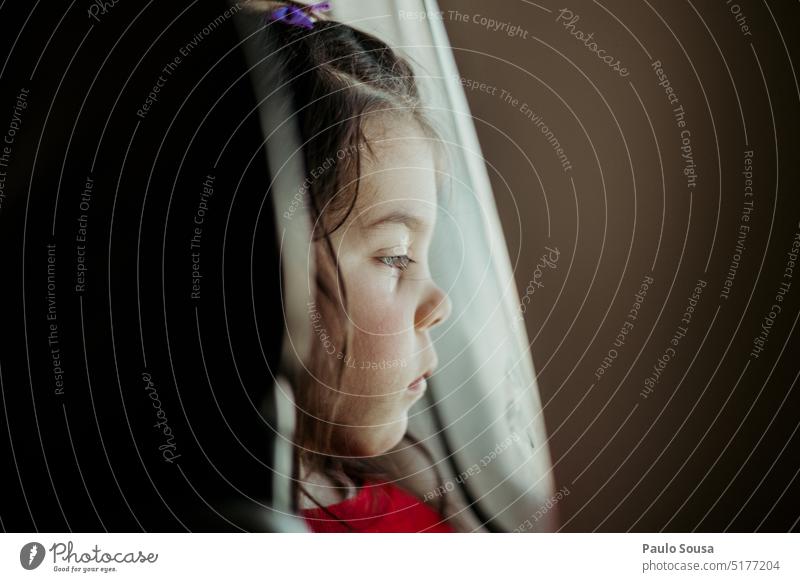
(412, 222)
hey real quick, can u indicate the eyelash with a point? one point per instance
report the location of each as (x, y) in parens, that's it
(391, 261)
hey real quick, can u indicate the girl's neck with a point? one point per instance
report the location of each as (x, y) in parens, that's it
(323, 489)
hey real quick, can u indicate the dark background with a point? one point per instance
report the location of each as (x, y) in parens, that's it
(715, 446)
(139, 436)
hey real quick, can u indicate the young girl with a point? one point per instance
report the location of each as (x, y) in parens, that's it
(373, 166)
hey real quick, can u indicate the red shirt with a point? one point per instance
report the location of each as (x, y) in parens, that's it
(378, 507)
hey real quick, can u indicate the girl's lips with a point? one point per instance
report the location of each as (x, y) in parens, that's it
(419, 384)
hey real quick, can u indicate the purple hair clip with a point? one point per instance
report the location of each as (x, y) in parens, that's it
(297, 16)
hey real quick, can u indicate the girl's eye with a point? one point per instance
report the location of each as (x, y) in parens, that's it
(397, 262)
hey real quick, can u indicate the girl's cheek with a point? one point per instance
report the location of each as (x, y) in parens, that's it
(379, 347)
(378, 309)
(383, 355)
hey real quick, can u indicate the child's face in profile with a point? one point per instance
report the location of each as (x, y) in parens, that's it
(392, 302)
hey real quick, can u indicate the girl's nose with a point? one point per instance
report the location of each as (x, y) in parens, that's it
(433, 310)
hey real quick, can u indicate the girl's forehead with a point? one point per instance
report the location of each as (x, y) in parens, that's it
(399, 172)
(398, 179)
(398, 195)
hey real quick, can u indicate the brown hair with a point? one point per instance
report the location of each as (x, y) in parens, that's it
(338, 75)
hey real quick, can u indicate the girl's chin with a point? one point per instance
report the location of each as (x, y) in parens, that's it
(385, 440)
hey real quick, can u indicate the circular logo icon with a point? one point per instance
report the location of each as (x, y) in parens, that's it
(31, 555)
